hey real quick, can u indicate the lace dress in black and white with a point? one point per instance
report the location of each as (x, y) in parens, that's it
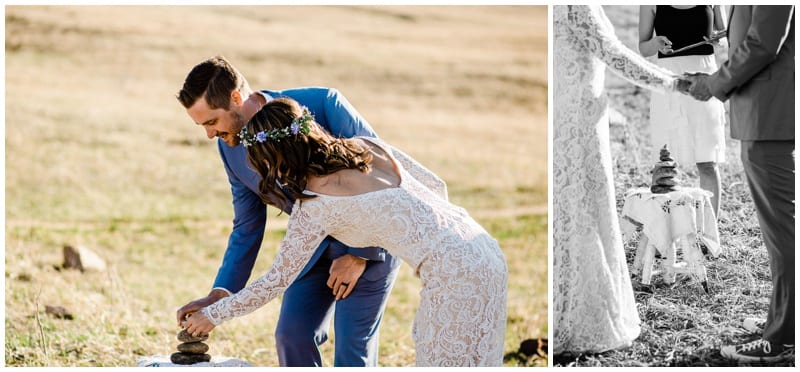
(593, 303)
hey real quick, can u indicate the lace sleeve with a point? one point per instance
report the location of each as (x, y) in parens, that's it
(595, 33)
(303, 235)
(421, 174)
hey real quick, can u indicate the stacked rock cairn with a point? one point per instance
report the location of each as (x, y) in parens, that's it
(664, 173)
(192, 349)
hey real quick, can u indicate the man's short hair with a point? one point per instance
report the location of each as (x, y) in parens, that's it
(215, 78)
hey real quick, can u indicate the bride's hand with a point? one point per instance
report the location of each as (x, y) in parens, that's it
(198, 324)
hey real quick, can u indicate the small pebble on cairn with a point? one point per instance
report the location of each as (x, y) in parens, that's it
(192, 350)
(184, 336)
(664, 173)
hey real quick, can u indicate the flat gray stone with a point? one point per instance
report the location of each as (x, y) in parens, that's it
(655, 189)
(193, 348)
(184, 336)
(181, 358)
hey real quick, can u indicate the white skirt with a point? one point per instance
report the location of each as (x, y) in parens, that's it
(693, 130)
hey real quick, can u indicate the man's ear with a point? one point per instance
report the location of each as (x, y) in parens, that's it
(236, 98)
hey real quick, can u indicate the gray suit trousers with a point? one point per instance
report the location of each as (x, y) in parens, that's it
(769, 166)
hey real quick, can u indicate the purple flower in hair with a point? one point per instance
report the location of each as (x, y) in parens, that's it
(261, 136)
(295, 127)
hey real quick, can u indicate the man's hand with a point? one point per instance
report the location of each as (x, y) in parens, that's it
(683, 85)
(194, 306)
(345, 272)
(699, 89)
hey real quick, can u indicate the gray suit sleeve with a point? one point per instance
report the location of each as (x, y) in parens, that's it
(768, 30)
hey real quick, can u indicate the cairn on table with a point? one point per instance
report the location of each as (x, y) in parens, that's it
(664, 173)
(192, 349)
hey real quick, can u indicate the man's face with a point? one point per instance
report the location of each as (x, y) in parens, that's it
(221, 123)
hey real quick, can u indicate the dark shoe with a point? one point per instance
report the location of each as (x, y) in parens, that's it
(758, 351)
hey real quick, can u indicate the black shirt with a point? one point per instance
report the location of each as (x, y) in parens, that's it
(685, 27)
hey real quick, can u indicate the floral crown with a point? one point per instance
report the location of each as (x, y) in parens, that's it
(299, 125)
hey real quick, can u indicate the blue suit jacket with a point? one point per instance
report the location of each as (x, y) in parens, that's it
(332, 111)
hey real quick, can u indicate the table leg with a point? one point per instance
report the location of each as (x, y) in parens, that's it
(647, 262)
(694, 258)
(670, 265)
(640, 248)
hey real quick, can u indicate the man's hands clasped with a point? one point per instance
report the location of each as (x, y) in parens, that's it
(695, 85)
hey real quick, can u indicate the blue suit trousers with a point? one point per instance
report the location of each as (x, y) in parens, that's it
(306, 311)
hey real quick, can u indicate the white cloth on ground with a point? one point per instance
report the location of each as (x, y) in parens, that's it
(216, 361)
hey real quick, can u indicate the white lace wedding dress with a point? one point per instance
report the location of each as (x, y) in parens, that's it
(461, 318)
(593, 303)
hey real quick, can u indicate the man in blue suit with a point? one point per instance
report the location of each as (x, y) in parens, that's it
(354, 281)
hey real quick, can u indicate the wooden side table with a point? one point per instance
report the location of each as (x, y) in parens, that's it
(668, 222)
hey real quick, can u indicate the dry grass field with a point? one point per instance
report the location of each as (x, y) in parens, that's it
(100, 154)
(681, 325)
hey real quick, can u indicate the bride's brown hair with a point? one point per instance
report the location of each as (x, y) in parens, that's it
(291, 159)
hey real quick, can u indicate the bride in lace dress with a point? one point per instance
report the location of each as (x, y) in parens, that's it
(594, 307)
(367, 193)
